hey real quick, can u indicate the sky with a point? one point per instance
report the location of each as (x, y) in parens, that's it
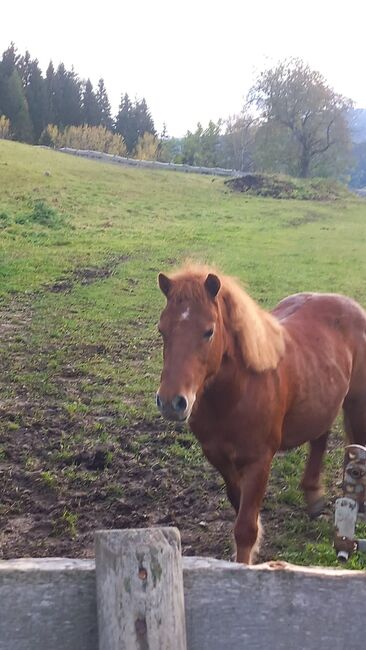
(192, 60)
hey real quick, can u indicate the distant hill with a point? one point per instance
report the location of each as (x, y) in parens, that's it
(357, 124)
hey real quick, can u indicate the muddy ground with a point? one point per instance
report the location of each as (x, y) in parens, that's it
(57, 486)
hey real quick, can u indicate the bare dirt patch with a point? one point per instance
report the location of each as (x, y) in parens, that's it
(87, 275)
(51, 504)
(287, 187)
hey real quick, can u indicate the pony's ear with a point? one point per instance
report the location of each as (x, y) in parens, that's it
(212, 285)
(164, 283)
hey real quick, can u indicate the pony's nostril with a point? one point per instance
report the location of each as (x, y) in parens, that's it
(158, 401)
(180, 403)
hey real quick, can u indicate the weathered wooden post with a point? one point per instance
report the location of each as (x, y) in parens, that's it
(140, 597)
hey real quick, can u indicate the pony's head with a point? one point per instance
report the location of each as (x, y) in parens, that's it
(206, 316)
(192, 330)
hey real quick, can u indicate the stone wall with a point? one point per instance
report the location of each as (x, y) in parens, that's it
(150, 164)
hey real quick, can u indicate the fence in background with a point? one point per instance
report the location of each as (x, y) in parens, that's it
(151, 164)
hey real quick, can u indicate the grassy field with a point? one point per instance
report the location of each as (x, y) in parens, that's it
(81, 445)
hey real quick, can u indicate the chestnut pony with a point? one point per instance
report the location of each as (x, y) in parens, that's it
(252, 382)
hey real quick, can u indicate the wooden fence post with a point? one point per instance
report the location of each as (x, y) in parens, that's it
(140, 596)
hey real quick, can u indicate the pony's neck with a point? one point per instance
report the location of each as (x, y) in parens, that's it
(253, 337)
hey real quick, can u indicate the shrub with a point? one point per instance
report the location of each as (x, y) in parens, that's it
(93, 138)
(147, 147)
(5, 129)
(51, 136)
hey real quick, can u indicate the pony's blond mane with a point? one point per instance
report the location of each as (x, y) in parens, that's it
(258, 336)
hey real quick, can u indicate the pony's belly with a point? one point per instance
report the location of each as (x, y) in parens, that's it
(322, 383)
(309, 423)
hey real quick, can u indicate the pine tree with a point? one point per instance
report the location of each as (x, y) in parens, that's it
(2, 88)
(91, 114)
(104, 106)
(10, 60)
(67, 97)
(32, 102)
(125, 123)
(15, 107)
(13, 100)
(132, 121)
(37, 99)
(23, 65)
(7, 66)
(50, 94)
(144, 121)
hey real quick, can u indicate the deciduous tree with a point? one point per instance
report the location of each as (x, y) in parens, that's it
(237, 145)
(147, 147)
(296, 99)
(202, 147)
(5, 128)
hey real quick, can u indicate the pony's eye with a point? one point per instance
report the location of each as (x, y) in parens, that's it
(208, 334)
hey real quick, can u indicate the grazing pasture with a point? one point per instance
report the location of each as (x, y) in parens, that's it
(81, 443)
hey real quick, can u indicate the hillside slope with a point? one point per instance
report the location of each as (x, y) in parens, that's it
(81, 445)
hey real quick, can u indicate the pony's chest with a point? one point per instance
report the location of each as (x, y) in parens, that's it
(230, 434)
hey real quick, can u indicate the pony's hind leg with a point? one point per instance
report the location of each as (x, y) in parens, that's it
(354, 411)
(311, 483)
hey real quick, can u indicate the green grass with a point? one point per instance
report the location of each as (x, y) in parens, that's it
(298, 539)
(80, 249)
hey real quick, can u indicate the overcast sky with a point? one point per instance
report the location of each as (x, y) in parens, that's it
(192, 60)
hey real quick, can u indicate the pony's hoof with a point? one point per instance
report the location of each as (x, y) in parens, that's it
(316, 508)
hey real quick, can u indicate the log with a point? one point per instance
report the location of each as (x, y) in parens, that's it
(140, 597)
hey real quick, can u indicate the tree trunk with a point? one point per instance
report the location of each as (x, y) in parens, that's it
(304, 163)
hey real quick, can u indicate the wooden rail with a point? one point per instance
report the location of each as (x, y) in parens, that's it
(135, 592)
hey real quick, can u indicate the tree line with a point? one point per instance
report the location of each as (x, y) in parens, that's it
(31, 102)
(292, 122)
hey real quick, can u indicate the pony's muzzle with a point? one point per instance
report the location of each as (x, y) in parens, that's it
(176, 409)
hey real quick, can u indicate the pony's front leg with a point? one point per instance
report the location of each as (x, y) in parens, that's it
(254, 478)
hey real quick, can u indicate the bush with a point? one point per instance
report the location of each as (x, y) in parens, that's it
(147, 147)
(51, 137)
(5, 129)
(92, 138)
